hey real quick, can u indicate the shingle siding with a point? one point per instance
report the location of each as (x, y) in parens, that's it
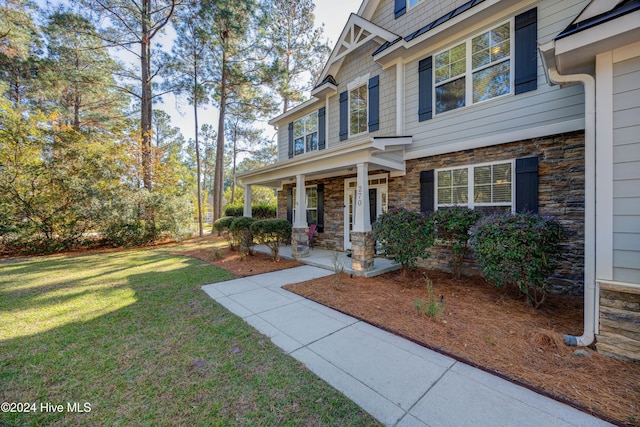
(626, 170)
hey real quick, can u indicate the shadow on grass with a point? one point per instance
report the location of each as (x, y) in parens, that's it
(148, 347)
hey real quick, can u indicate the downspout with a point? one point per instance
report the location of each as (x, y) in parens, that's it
(590, 301)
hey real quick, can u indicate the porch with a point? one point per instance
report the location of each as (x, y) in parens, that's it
(325, 258)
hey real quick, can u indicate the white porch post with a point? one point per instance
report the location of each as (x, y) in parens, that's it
(247, 200)
(362, 241)
(300, 232)
(300, 221)
(362, 220)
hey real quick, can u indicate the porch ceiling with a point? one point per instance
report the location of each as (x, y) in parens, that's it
(379, 153)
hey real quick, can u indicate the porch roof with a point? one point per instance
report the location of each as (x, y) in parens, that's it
(386, 153)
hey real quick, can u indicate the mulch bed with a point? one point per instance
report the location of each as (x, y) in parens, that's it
(494, 329)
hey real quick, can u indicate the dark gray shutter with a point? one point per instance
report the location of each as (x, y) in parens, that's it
(322, 128)
(290, 139)
(290, 205)
(320, 212)
(344, 115)
(374, 103)
(427, 191)
(400, 8)
(527, 184)
(425, 89)
(526, 56)
(373, 205)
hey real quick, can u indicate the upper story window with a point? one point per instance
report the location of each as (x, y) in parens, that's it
(474, 71)
(486, 187)
(358, 110)
(414, 2)
(305, 134)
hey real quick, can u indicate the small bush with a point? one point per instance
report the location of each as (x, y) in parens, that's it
(404, 237)
(240, 229)
(272, 233)
(259, 211)
(452, 226)
(222, 225)
(518, 249)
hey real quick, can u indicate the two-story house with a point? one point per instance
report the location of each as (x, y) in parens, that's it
(425, 104)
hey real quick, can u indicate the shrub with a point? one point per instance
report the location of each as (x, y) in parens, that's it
(240, 229)
(452, 226)
(404, 237)
(273, 233)
(222, 225)
(259, 211)
(518, 249)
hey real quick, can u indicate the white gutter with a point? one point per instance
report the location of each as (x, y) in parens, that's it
(590, 300)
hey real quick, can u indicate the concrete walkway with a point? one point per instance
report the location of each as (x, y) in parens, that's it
(398, 382)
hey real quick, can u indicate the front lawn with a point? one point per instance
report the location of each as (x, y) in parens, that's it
(132, 335)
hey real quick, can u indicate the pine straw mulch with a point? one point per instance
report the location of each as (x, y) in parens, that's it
(494, 329)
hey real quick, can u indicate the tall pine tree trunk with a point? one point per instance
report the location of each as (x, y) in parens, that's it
(219, 168)
(145, 101)
(195, 115)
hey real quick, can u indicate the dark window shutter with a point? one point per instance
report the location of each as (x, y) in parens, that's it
(290, 205)
(290, 139)
(344, 115)
(527, 184)
(426, 191)
(322, 128)
(400, 8)
(425, 89)
(526, 56)
(320, 212)
(373, 199)
(374, 103)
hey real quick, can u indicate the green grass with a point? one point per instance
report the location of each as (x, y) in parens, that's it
(132, 334)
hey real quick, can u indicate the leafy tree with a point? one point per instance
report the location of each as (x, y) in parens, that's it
(297, 48)
(189, 70)
(78, 74)
(138, 22)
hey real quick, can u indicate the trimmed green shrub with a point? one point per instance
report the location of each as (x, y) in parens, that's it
(273, 233)
(234, 210)
(519, 249)
(404, 237)
(259, 211)
(241, 230)
(452, 226)
(221, 225)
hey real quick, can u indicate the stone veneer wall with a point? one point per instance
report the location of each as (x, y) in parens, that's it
(560, 193)
(619, 322)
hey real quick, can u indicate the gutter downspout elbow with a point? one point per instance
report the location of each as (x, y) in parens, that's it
(590, 291)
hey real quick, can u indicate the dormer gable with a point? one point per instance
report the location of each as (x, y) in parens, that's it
(357, 32)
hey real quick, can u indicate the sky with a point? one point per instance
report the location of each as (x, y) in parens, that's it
(334, 15)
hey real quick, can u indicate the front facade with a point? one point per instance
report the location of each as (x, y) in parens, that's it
(425, 104)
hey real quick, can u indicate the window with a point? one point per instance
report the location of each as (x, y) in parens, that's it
(474, 71)
(487, 187)
(414, 2)
(305, 134)
(312, 204)
(358, 110)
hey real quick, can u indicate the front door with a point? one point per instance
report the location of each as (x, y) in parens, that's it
(377, 202)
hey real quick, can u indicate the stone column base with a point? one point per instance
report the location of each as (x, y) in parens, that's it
(300, 242)
(363, 247)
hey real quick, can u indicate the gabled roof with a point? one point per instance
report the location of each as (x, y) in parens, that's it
(598, 12)
(356, 33)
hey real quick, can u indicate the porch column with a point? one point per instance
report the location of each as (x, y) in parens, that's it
(300, 232)
(362, 241)
(247, 201)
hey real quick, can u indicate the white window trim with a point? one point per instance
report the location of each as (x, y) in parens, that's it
(366, 127)
(470, 185)
(468, 75)
(304, 135)
(295, 204)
